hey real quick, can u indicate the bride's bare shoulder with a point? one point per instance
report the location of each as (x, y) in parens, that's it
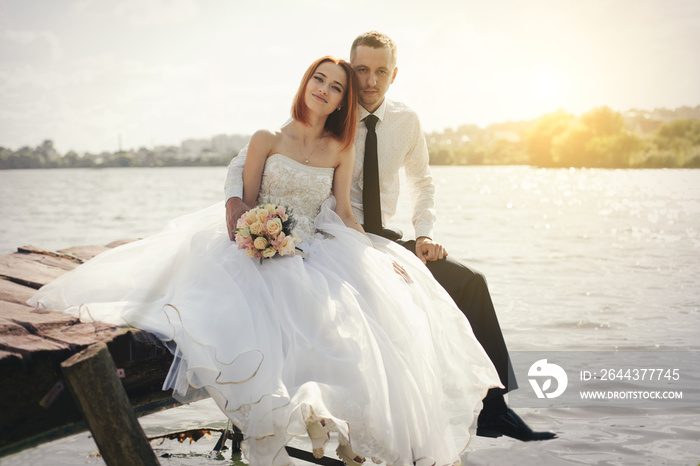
(341, 153)
(264, 140)
(267, 135)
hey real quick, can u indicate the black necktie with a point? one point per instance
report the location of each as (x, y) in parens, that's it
(370, 191)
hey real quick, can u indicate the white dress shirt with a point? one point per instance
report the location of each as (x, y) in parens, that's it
(400, 144)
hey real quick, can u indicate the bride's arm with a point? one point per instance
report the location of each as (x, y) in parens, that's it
(342, 180)
(258, 149)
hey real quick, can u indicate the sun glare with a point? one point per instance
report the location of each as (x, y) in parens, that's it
(535, 90)
(547, 83)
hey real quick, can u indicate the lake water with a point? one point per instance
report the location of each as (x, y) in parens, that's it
(577, 261)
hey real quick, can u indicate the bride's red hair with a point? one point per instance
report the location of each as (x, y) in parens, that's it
(341, 123)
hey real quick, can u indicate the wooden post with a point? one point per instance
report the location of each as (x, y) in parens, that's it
(99, 393)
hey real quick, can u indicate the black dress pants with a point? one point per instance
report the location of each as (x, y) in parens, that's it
(470, 292)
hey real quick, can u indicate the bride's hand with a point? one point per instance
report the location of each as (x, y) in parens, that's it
(235, 207)
(402, 272)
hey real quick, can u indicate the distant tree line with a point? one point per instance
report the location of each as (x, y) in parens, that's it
(45, 156)
(600, 138)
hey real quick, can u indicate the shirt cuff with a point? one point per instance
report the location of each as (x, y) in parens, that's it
(424, 230)
(233, 191)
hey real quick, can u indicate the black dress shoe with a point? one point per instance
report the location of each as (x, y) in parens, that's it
(509, 424)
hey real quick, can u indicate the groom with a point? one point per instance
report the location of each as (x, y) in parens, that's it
(396, 140)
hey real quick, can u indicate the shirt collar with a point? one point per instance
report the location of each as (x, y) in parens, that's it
(379, 112)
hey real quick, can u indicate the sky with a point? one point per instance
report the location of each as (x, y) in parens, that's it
(93, 75)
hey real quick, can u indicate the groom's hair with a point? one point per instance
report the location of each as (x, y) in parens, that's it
(376, 40)
(341, 123)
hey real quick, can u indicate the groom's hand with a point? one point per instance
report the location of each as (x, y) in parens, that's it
(235, 207)
(428, 250)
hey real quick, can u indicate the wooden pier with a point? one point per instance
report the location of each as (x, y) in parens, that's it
(56, 374)
(35, 401)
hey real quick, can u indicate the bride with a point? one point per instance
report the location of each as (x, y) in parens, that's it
(353, 339)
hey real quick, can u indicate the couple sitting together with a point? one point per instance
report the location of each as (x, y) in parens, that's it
(361, 339)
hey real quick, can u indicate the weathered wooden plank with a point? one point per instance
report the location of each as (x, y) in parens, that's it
(102, 400)
(84, 253)
(29, 249)
(34, 267)
(9, 361)
(53, 259)
(8, 354)
(8, 327)
(14, 292)
(29, 271)
(29, 344)
(34, 320)
(84, 333)
(8, 308)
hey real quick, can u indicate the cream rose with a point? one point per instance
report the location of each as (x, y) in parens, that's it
(250, 216)
(261, 215)
(260, 242)
(274, 226)
(269, 252)
(256, 228)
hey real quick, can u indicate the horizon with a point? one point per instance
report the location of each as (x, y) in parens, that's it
(233, 134)
(155, 73)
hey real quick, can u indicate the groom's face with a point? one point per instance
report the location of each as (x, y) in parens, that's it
(375, 70)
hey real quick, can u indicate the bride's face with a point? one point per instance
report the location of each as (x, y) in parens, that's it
(326, 88)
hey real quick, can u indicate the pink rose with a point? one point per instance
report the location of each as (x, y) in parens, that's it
(282, 213)
(286, 246)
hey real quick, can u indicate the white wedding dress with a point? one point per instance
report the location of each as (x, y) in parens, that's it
(391, 366)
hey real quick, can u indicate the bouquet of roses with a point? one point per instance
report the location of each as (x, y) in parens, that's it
(265, 231)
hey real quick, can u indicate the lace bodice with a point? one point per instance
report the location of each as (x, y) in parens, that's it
(300, 188)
